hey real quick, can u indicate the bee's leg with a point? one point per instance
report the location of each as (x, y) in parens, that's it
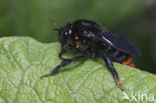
(65, 47)
(109, 64)
(62, 64)
(61, 53)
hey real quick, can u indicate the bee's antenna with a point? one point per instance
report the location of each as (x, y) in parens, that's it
(57, 28)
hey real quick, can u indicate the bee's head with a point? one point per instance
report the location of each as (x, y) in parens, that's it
(65, 33)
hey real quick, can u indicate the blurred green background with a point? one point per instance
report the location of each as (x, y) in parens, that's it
(133, 20)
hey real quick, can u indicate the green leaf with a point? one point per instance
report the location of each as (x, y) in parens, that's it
(24, 60)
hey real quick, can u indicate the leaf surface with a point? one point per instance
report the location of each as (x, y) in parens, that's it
(23, 60)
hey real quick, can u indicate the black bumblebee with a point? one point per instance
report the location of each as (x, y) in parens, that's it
(92, 40)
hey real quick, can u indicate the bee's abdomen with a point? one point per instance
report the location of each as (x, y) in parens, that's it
(129, 62)
(119, 56)
(116, 55)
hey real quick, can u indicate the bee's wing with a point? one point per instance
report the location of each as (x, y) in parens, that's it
(117, 43)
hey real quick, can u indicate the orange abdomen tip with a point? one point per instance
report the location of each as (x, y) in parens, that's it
(129, 62)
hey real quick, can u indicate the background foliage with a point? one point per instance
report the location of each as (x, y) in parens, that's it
(134, 20)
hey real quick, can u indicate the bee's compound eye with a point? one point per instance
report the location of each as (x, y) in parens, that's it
(66, 33)
(70, 31)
